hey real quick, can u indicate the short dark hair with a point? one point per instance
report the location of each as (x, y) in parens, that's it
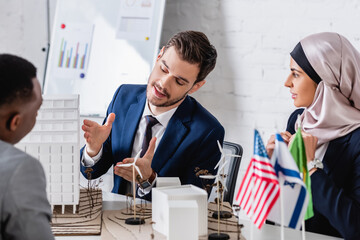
(195, 48)
(16, 76)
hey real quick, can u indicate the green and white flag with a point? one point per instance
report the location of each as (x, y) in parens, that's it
(297, 150)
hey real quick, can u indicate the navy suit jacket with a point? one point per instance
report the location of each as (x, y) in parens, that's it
(336, 188)
(189, 140)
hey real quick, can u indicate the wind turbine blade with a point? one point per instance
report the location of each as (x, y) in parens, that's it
(137, 156)
(138, 170)
(224, 186)
(221, 159)
(222, 167)
(125, 165)
(220, 148)
(232, 155)
(207, 176)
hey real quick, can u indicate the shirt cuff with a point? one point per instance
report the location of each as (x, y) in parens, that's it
(142, 192)
(88, 161)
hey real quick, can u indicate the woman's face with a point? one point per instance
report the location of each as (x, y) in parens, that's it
(302, 88)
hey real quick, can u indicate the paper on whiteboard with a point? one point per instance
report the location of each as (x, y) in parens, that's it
(72, 44)
(135, 20)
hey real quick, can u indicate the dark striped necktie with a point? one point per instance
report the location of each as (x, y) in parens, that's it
(150, 122)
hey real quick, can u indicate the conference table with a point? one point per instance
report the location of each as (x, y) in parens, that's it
(113, 201)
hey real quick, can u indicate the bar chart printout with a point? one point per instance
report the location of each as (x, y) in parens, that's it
(73, 50)
(73, 58)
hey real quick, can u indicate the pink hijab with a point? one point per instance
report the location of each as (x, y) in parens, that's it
(335, 110)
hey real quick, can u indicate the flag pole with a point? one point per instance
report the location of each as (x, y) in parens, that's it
(281, 213)
(298, 122)
(303, 229)
(252, 197)
(253, 211)
(281, 203)
(303, 220)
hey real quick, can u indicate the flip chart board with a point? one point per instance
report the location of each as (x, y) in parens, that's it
(98, 45)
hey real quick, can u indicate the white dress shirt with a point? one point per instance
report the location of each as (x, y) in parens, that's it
(157, 131)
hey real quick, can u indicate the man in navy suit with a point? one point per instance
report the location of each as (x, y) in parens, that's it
(183, 133)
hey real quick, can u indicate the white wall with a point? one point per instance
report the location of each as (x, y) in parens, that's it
(253, 39)
(24, 30)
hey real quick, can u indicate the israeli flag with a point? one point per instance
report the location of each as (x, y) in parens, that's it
(292, 187)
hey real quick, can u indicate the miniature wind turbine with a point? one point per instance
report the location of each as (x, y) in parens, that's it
(223, 162)
(223, 155)
(134, 220)
(218, 179)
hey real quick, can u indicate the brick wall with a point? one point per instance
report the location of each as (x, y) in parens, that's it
(253, 39)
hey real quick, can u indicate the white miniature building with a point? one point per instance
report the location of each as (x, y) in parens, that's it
(167, 182)
(167, 203)
(184, 223)
(54, 141)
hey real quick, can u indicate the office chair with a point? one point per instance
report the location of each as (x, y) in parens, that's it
(231, 169)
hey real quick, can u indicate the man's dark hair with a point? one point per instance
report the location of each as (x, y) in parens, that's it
(195, 48)
(16, 76)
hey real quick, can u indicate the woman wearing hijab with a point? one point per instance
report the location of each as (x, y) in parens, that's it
(325, 82)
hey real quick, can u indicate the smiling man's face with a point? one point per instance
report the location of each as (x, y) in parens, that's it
(171, 80)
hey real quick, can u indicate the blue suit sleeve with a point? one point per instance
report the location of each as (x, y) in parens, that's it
(341, 207)
(207, 157)
(106, 160)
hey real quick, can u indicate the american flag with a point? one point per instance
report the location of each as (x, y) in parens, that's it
(259, 189)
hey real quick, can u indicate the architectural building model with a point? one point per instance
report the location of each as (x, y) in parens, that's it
(54, 141)
(173, 208)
